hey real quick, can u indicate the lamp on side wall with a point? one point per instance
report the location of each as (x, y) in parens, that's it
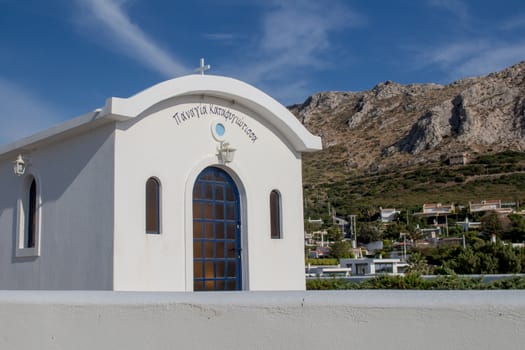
(19, 166)
(226, 152)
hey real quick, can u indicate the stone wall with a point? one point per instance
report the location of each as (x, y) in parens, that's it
(263, 320)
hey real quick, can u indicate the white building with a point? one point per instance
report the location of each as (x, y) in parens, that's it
(388, 214)
(489, 205)
(373, 266)
(143, 194)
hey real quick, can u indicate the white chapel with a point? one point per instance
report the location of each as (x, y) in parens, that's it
(192, 184)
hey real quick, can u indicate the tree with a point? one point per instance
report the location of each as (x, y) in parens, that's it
(487, 258)
(516, 232)
(368, 232)
(368, 212)
(417, 263)
(340, 249)
(334, 234)
(467, 262)
(509, 258)
(415, 235)
(309, 227)
(491, 224)
(393, 229)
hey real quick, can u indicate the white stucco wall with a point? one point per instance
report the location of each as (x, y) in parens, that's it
(91, 173)
(75, 184)
(263, 320)
(175, 151)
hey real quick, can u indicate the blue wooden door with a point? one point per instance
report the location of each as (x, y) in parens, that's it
(216, 232)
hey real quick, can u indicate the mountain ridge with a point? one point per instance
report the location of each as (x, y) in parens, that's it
(392, 125)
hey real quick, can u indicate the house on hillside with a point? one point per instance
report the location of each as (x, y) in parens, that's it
(460, 158)
(388, 214)
(436, 214)
(177, 188)
(431, 209)
(489, 205)
(430, 234)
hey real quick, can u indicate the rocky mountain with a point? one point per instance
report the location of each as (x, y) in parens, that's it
(395, 125)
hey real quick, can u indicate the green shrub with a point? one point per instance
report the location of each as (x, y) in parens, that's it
(454, 282)
(330, 284)
(515, 282)
(416, 282)
(323, 261)
(409, 281)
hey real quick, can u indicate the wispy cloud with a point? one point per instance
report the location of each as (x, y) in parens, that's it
(514, 22)
(451, 54)
(219, 36)
(457, 10)
(472, 58)
(128, 38)
(23, 113)
(473, 52)
(492, 59)
(296, 36)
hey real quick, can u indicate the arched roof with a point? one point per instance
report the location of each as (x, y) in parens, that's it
(222, 87)
(121, 109)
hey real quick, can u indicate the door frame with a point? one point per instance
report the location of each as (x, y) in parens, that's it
(235, 172)
(212, 178)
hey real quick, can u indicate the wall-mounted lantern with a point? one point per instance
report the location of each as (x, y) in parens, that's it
(19, 166)
(226, 152)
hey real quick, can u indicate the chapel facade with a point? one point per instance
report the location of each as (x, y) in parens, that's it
(193, 184)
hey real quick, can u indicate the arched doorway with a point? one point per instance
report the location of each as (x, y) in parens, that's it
(216, 232)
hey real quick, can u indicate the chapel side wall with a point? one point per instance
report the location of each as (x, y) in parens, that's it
(175, 152)
(75, 181)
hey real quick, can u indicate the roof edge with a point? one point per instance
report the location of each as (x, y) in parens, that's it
(27, 143)
(222, 87)
(120, 109)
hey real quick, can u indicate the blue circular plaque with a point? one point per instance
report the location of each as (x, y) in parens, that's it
(220, 129)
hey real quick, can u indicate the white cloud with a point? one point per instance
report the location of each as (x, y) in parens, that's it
(23, 113)
(451, 54)
(128, 38)
(295, 36)
(472, 53)
(456, 7)
(492, 60)
(472, 58)
(298, 33)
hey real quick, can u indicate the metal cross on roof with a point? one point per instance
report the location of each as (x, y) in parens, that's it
(203, 67)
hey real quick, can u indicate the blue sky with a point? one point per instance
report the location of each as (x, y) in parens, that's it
(62, 58)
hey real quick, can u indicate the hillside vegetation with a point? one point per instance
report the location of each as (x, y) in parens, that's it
(490, 176)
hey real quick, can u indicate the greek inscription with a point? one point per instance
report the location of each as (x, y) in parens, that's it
(213, 110)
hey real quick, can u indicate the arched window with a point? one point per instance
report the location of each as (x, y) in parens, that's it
(275, 214)
(152, 206)
(30, 234)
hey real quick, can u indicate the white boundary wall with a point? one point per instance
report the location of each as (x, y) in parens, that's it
(263, 320)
